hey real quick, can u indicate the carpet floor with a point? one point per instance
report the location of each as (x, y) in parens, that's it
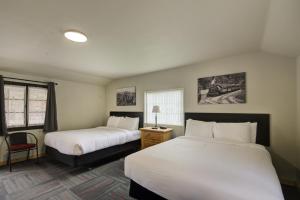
(55, 181)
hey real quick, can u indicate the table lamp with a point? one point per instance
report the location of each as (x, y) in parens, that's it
(155, 110)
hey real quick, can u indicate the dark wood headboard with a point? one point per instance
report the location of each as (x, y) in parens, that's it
(129, 114)
(263, 122)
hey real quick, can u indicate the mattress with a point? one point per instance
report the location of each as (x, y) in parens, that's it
(193, 168)
(79, 142)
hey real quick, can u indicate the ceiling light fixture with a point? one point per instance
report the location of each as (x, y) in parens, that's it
(75, 36)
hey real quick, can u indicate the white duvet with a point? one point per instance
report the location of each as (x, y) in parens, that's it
(193, 168)
(78, 142)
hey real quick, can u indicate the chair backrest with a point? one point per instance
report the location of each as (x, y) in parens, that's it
(18, 138)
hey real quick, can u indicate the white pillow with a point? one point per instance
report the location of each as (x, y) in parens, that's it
(113, 121)
(240, 132)
(199, 128)
(135, 121)
(253, 127)
(129, 123)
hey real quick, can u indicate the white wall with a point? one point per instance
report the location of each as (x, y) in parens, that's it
(79, 105)
(271, 86)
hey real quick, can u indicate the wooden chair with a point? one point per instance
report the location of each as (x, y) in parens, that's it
(17, 142)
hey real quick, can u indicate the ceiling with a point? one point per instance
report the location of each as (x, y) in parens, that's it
(282, 30)
(132, 37)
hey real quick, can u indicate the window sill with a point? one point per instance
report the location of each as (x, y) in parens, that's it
(167, 125)
(24, 128)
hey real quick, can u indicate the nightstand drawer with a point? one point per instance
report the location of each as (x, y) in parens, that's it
(152, 135)
(148, 143)
(152, 141)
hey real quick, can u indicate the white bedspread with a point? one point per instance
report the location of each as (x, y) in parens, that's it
(193, 168)
(78, 142)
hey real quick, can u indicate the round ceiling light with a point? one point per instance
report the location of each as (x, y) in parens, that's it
(75, 36)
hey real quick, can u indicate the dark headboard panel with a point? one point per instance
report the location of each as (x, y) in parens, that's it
(130, 114)
(263, 122)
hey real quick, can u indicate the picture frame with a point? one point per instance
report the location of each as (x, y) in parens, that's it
(126, 96)
(222, 89)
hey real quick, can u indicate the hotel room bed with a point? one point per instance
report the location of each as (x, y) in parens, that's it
(85, 146)
(83, 141)
(190, 167)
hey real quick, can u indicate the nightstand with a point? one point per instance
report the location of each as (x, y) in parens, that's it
(150, 137)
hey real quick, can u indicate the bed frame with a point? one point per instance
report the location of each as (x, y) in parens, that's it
(97, 156)
(263, 137)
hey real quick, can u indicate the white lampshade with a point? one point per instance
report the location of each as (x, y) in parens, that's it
(155, 109)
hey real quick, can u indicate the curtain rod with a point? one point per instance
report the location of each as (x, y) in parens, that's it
(27, 80)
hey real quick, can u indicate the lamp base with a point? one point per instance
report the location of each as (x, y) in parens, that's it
(154, 127)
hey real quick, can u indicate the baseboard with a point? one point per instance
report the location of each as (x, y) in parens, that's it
(2, 163)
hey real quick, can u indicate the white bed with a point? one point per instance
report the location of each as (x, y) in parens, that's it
(193, 168)
(79, 142)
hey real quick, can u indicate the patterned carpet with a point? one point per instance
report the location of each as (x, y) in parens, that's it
(55, 181)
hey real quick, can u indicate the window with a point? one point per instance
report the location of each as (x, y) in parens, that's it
(171, 107)
(25, 105)
(37, 98)
(15, 105)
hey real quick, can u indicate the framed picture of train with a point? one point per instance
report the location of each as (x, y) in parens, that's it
(223, 89)
(126, 96)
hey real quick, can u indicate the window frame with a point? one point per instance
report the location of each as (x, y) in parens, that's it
(164, 90)
(26, 115)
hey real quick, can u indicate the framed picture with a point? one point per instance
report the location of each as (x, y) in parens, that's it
(223, 89)
(126, 96)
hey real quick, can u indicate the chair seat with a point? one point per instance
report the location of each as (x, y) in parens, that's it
(15, 147)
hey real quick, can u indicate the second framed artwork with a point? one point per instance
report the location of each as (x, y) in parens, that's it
(223, 89)
(126, 96)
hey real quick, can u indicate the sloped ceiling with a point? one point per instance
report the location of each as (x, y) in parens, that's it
(137, 36)
(282, 30)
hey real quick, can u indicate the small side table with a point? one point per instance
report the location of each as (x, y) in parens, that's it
(150, 136)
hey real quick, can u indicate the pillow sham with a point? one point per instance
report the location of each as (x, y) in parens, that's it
(129, 123)
(199, 128)
(113, 121)
(253, 127)
(239, 132)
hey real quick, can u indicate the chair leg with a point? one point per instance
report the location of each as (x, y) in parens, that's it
(37, 155)
(28, 151)
(9, 161)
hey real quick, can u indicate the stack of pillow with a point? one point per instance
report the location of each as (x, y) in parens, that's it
(123, 122)
(238, 132)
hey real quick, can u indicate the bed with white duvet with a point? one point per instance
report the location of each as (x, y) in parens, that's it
(213, 161)
(120, 136)
(196, 168)
(83, 141)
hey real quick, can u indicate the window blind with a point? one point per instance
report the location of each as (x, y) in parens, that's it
(25, 106)
(171, 107)
(37, 98)
(15, 97)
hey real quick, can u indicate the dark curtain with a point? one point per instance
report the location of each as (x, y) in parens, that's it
(3, 127)
(51, 115)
